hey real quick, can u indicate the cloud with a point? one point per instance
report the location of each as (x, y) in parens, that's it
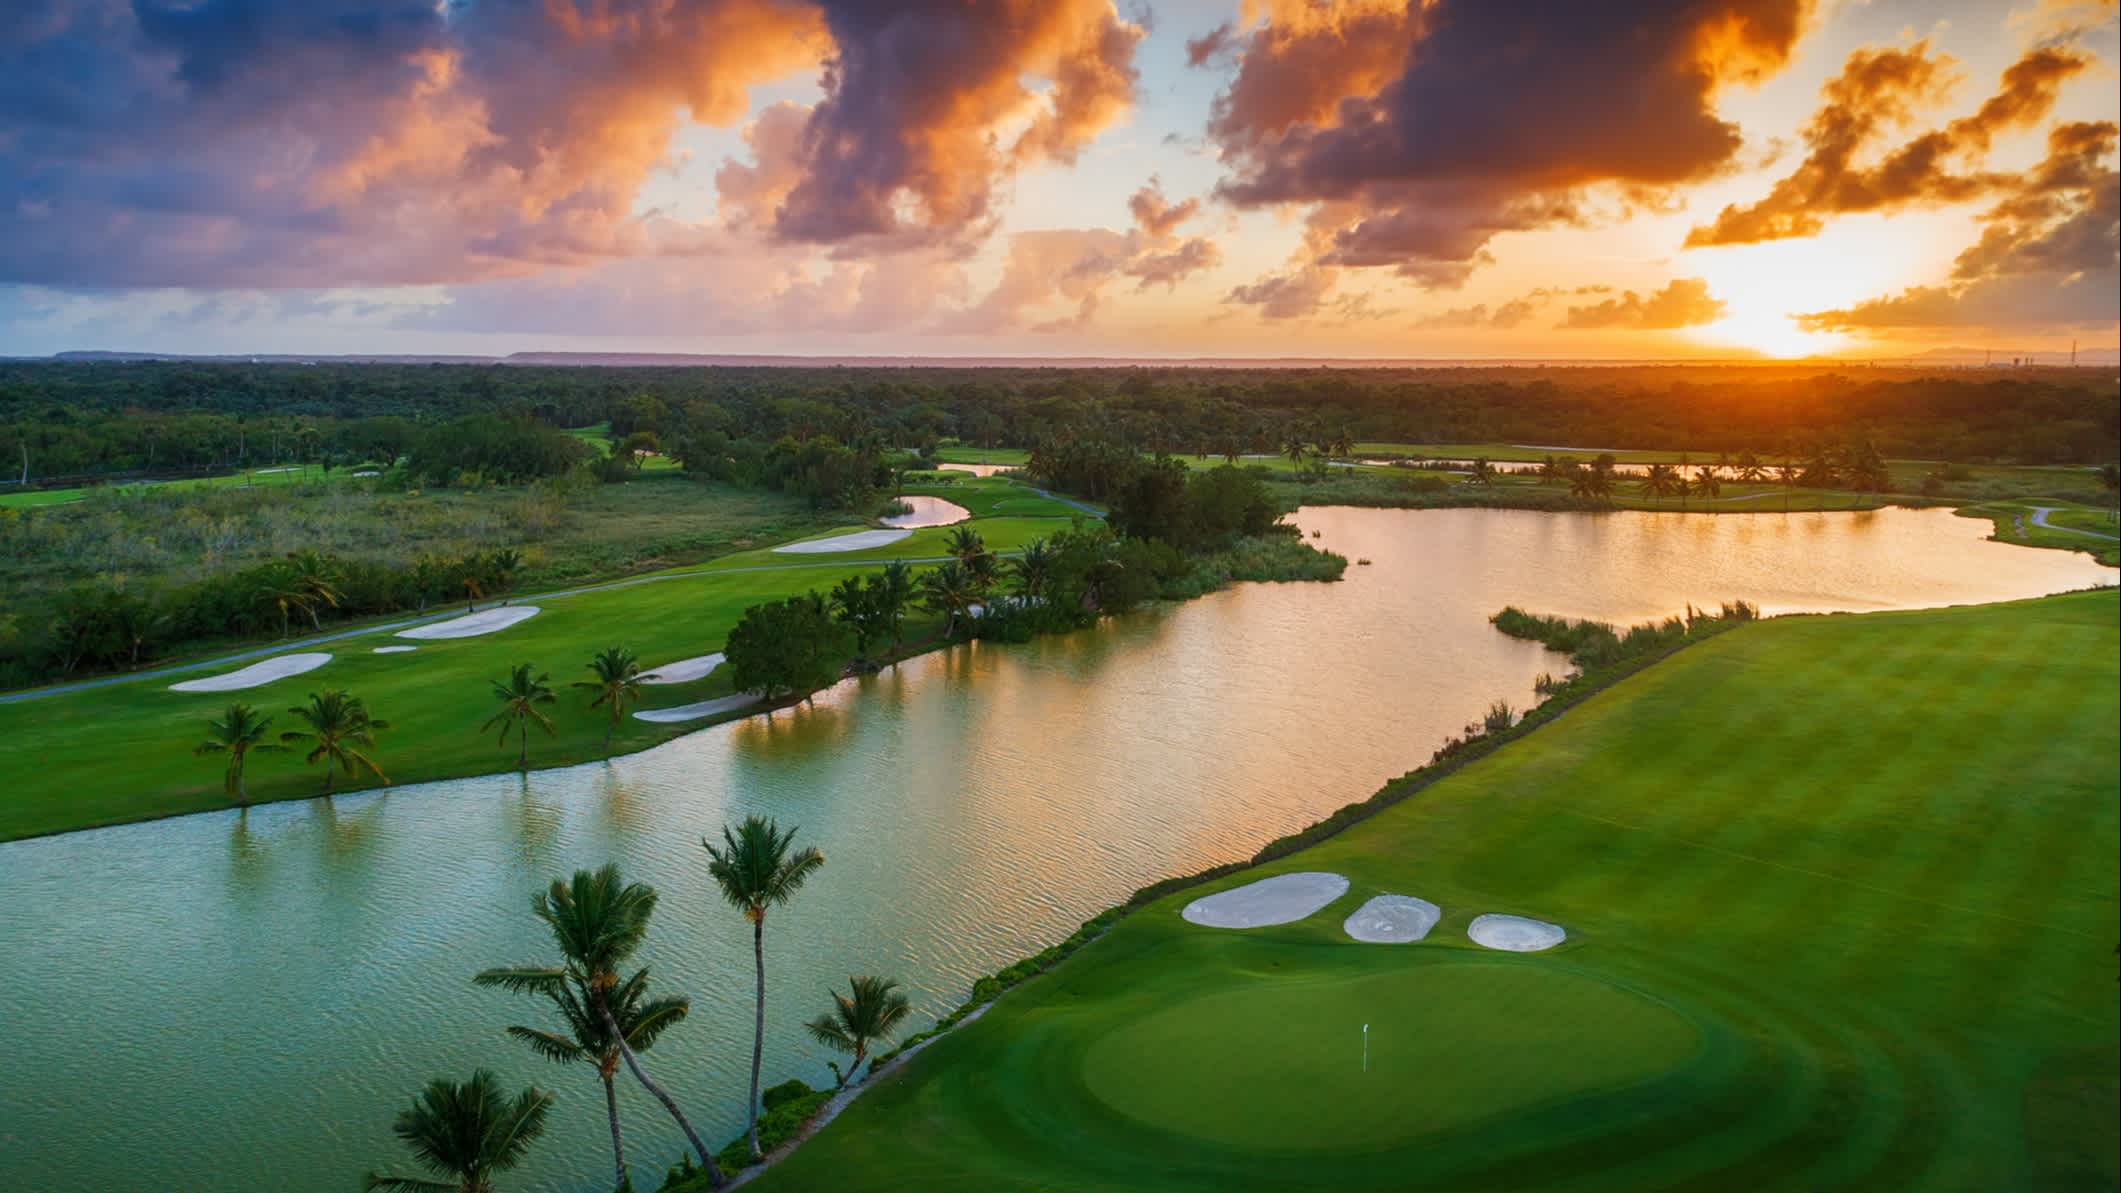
(1293, 295)
(929, 103)
(1683, 302)
(237, 143)
(1156, 215)
(2049, 254)
(1441, 125)
(1514, 313)
(1877, 90)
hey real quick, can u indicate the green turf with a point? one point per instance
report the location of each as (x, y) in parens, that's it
(284, 475)
(1842, 901)
(123, 752)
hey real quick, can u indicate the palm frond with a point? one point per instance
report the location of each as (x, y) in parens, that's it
(550, 1045)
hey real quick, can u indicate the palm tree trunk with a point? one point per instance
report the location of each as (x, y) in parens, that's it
(618, 1149)
(715, 1179)
(523, 750)
(758, 1034)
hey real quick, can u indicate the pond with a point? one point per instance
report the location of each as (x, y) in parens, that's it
(234, 1002)
(927, 511)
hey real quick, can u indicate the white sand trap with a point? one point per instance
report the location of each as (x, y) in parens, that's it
(1515, 933)
(1282, 899)
(693, 712)
(1393, 919)
(257, 673)
(366, 473)
(860, 540)
(471, 625)
(684, 670)
(395, 649)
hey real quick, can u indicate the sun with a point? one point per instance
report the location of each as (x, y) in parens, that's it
(1770, 333)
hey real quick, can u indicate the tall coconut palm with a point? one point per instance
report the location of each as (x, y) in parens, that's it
(520, 694)
(1787, 475)
(1483, 472)
(584, 1039)
(1706, 484)
(899, 587)
(1658, 481)
(870, 1011)
(617, 684)
(1033, 569)
(2110, 480)
(966, 546)
(466, 1132)
(757, 870)
(1750, 470)
(311, 577)
(950, 590)
(239, 732)
(598, 920)
(339, 728)
(1294, 447)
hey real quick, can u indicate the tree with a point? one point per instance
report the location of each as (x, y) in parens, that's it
(756, 871)
(870, 1011)
(339, 729)
(598, 921)
(900, 585)
(1032, 570)
(617, 684)
(239, 731)
(1866, 472)
(1294, 447)
(313, 579)
(1705, 483)
(2110, 480)
(520, 694)
(1553, 469)
(949, 590)
(466, 1132)
(970, 550)
(585, 1039)
(1658, 481)
(1483, 472)
(859, 603)
(783, 647)
(1750, 470)
(1787, 475)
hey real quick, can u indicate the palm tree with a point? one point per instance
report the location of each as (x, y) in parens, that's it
(2110, 480)
(1483, 472)
(899, 586)
(1294, 447)
(617, 683)
(755, 872)
(1705, 483)
(598, 920)
(239, 731)
(520, 696)
(950, 590)
(966, 546)
(339, 726)
(466, 1132)
(870, 1011)
(309, 577)
(1658, 482)
(640, 1019)
(1033, 569)
(1749, 468)
(1787, 475)
(1553, 469)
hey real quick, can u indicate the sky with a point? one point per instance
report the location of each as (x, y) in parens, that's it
(1539, 179)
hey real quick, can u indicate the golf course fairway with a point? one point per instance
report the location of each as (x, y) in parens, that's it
(1840, 895)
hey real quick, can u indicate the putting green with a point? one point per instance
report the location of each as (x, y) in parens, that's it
(1278, 1065)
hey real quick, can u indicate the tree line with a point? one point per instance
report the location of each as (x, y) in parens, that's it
(122, 416)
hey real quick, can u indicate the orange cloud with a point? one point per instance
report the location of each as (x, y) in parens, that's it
(1683, 302)
(1876, 90)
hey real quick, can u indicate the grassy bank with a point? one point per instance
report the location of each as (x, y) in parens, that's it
(1840, 896)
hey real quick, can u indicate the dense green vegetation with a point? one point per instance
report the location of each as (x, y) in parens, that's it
(1861, 936)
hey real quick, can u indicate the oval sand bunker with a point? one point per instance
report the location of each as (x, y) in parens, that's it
(1515, 933)
(1393, 919)
(684, 670)
(471, 625)
(1282, 899)
(255, 674)
(860, 540)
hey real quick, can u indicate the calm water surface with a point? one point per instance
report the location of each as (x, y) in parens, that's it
(241, 1002)
(928, 511)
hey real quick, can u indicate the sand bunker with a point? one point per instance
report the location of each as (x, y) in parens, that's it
(395, 649)
(693, 712)
(1515, 933)
(255, 674)
(1393, 919)
(684, 670)
(471, 625)
(1282, 899)
(860, 540)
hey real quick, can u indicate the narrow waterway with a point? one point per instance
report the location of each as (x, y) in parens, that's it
(236, 1002)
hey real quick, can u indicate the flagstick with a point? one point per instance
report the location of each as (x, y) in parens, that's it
(1365, 1047)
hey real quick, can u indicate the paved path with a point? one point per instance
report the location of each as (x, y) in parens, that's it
(2040, 513)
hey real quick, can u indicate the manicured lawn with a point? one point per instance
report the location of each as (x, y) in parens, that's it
(285, 475)
(2014, 523)
(1841, 896)
(123, 751)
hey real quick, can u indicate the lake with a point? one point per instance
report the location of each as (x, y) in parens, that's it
(234, 1002)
